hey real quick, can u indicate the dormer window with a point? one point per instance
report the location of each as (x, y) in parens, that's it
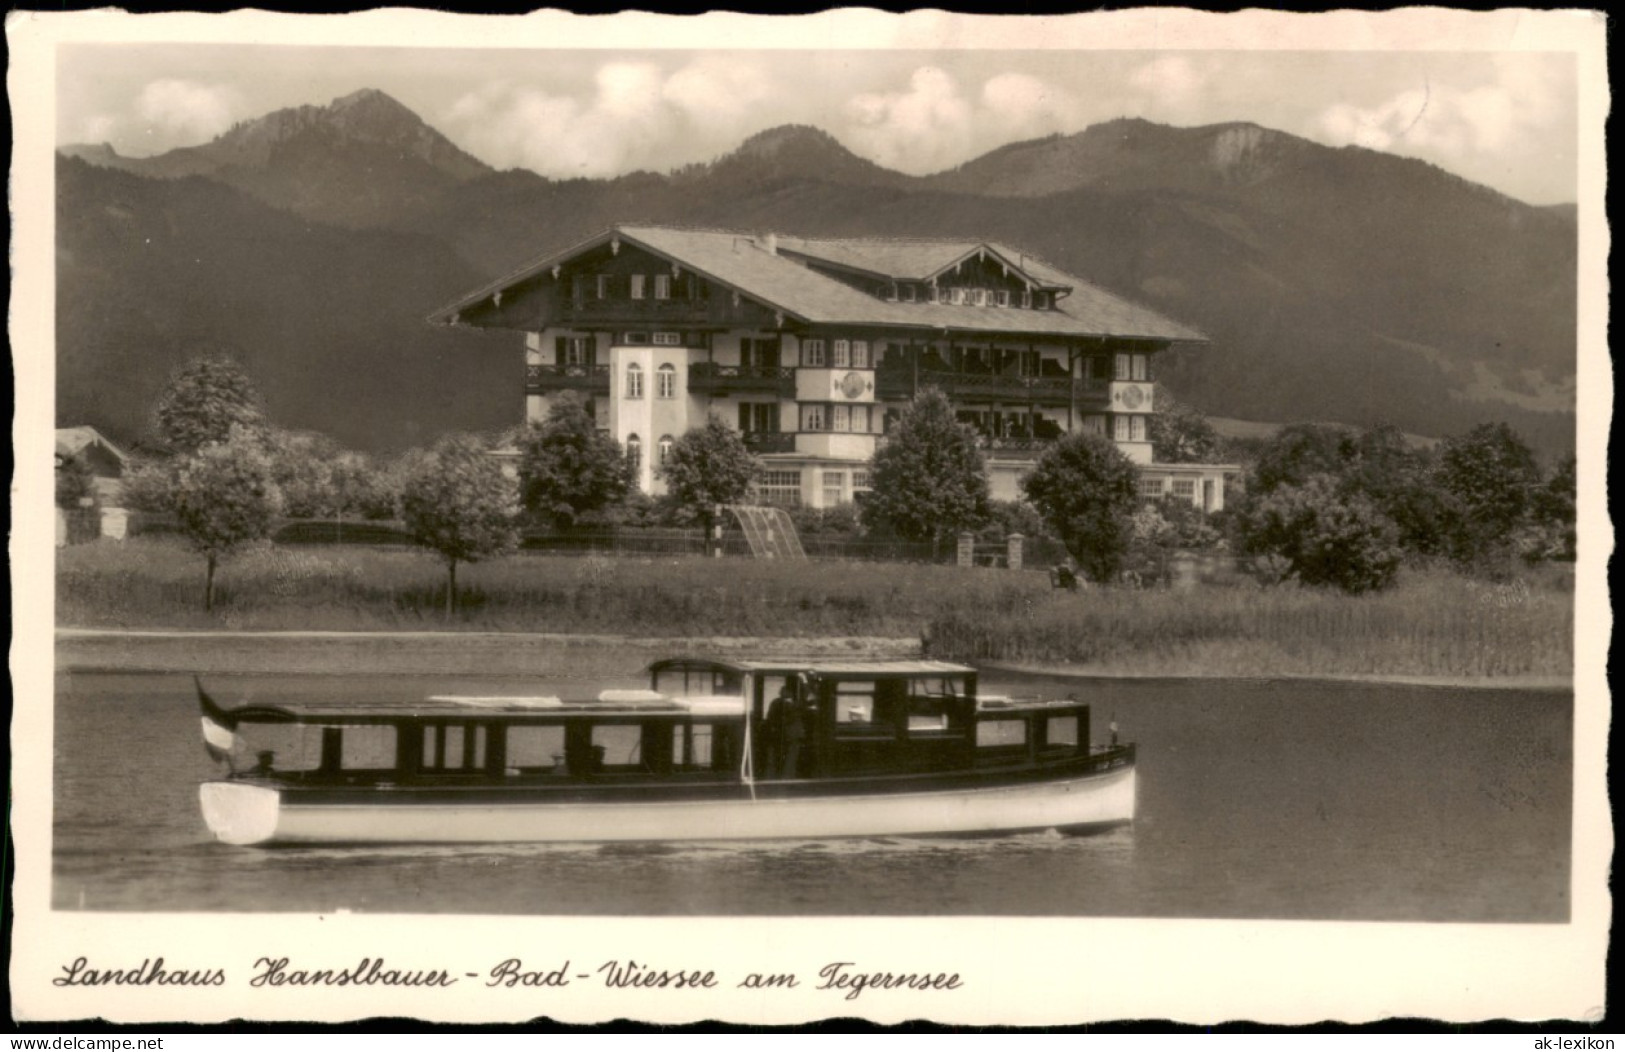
(1027, 298)
(1003, 299)
(980, 297)
(1041, 300)
(889, 293)
(932, 294)
(908, 293)
(956, 296)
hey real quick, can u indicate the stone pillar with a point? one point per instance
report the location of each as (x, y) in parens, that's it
(967, 549)
(1012, 545)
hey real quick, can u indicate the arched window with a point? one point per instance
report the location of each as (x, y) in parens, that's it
(666, 381)
(634, 380)
(634, 452)
(663, 449)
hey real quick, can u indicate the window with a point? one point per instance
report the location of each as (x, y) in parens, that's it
(812, 352)
(574, 350)
(662, 286)
(860, 482)
(1139, 367)
(667, 339)
(759, 416)
(841, 355)
(637, 286)
(860, 354)
(1186, 489)
(860, 419)
(634, 380)
(834, 488)
(780, 487)
(1027, 298)
(908, 293)
(578, 287)
(663, 449)
(932, 295)
(812, 418)
(1136, 428)
(840, 418)
(1122, 368)
(980, 297)
(1151, 489)
(634, 452)
(889, 293)
(666, 381)
(635, 339)
(1041, 300)
(1120, 428)
(956, 296)
(603, 286)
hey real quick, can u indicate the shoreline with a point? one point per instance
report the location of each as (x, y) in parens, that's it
(528, 653)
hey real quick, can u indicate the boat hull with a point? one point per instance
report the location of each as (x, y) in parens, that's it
(248, 813)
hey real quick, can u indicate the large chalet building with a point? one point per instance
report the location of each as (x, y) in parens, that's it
(812, 347)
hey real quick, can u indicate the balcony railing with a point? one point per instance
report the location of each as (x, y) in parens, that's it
(894, 382)
(540, 379)
(711, 378)
(769, 441)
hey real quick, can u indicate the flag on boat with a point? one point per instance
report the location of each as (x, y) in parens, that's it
(219, 729)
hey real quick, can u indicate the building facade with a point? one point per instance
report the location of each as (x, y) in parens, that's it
(811, 348)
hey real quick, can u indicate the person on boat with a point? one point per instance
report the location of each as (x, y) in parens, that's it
(779, 714)
(263, 762)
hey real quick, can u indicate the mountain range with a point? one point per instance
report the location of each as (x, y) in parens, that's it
(1336, 284)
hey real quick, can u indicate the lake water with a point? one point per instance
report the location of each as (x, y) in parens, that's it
(1257, 799)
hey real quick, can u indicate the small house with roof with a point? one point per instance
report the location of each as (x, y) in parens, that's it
(811, 348)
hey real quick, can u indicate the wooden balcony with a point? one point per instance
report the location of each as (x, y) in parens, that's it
(893, 383)
(544, 379)
(769, 441)
(714, 379)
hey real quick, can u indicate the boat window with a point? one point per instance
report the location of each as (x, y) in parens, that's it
(369, 748)
(614, 746)
(1001, 732)
(453, 747)
(854, 702)
(534, 750)
(1062, 730)
(298, 747)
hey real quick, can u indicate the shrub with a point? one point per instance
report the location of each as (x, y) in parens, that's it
(1322, 535)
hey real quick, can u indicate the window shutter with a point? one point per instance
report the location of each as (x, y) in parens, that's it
(561, 345)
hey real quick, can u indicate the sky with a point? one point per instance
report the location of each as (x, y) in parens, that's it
(1504, 119)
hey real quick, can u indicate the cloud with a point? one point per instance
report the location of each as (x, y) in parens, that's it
(1170, 83)
(185, 111)
(635, 115)
(1488, 121)
(1018, 104)
(924, 128)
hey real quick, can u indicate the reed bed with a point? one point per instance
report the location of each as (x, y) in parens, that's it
(1432, 624)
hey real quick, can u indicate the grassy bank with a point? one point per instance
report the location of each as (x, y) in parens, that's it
(1431, 624)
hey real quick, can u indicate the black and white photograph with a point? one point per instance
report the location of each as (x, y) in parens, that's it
(991, 520)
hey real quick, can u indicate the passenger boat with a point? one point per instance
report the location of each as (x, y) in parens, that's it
(714, 750)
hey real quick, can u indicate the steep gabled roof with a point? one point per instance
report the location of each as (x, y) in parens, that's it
(783, 282)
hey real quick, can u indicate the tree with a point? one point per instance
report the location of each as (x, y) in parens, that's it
(1397, 478)
(204, 400)
(224, 495)
(1299, 451)
(1180, 434)
(1087, 490)
(1323, 535)
(456, 501)
(1552, 510)
(567, 468)
(1489, 478)
(303, 464)
(928, 479)
(707, 466)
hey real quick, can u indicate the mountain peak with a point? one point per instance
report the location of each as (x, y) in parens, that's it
(787, 137)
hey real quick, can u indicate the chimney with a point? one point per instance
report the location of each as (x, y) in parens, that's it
(770, 243)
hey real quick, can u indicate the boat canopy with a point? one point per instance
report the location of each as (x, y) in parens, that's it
(451, 707)
(829, 668)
